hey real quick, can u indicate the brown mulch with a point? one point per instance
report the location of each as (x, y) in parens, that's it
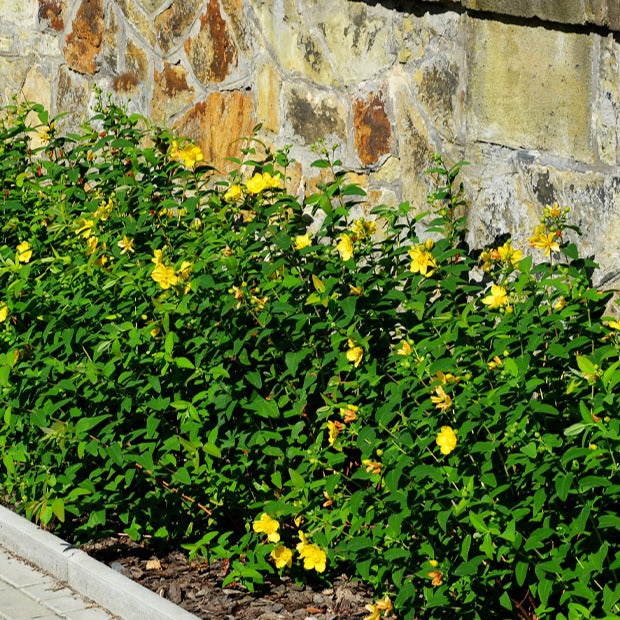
(197, 587)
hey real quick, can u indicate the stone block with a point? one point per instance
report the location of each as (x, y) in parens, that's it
(138, 21)
(172, 25)
(414, 145)
(268, 88)
(218, 123)
(112, 43)
(23, 12)
(212, 53)
(83, 43)
(52, 14)
(607, 102)
(171, 92)
(438, 88)
(7, 45)
(289, 38)
(136, 61)
(372, 129)
(13, 70)
(37, 88)
(359, 38)
(315, 114)
(530, 88)
(72, 96)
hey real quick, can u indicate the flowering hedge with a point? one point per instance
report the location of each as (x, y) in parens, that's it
(212, 362)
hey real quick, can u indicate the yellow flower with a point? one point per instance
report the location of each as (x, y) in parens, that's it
(91, 243)
(101, 261)
(313, 556)
(545, 241)
(85, 228)
(446, 440)
(157, 257)
(164, 276)
(422, 261)
(433, 563)
(498, 297)
(24, 253)
(262, 181)
(356, 290)
(372, 467)
(495, 363)
(345, 247)
(509, 255)
(189, 155)
(4, 312)
(405, 349)
(282, 556)
(268, 526)
(446, 378)
(382, 605)
(437, 577)
(104, 210)
(560, 303)
(613, 324)
(185, 270)
(302, 241)
(126, 245)
(233, 193)
(442, 401)
(349, 413)
(334, 428)
(363, 228)
(355, 354)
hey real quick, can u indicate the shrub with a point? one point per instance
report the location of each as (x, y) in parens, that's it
(195, 358)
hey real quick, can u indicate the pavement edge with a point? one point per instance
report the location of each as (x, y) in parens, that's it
(116, 593)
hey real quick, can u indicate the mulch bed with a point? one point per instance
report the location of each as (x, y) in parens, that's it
(197, 587)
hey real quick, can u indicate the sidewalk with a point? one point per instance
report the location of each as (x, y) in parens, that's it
(28, 594)
(45, 578)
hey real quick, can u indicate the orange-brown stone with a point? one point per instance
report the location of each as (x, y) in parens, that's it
(84, 42)
(51, 11)
(136, 61)
(171, 92)
(217, 124)
(373, 131)
(171, 24)
(213, 52)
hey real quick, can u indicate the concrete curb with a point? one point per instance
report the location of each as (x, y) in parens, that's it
(94, 580)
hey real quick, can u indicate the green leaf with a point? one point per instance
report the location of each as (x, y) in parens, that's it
(296, 479)
(58, 508)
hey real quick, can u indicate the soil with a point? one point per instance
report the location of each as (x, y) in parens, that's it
(197, 587)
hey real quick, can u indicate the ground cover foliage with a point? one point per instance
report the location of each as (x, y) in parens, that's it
(189, 357)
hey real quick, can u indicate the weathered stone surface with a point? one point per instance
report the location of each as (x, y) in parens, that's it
(315, 115)
(287, 34)
(12, 71)
(172, 24)
(22, 12)
(137, 20)
(72, 95)
(151, 5)
(136, 61)
(234, 10)
(8, 45)
(111, 47)
(37, 88)
(171, 92)
(217, 124)
(529, 89)
(268, 87)
(414, 146)
(212, 53)
(359, 38)
(438, 85)
(607, 103)
(373, 130)
(51, 14)
(84, 41)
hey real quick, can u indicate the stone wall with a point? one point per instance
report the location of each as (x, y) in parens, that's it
(528, 91)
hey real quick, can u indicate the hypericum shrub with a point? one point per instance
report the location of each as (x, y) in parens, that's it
(195, 358)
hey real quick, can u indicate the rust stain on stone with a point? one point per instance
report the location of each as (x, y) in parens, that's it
(84, 42)
(171, 24)
(172, 80)
(217, 123)
(373, 132)
(213, 51)
(51, 10)
(125, 83)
